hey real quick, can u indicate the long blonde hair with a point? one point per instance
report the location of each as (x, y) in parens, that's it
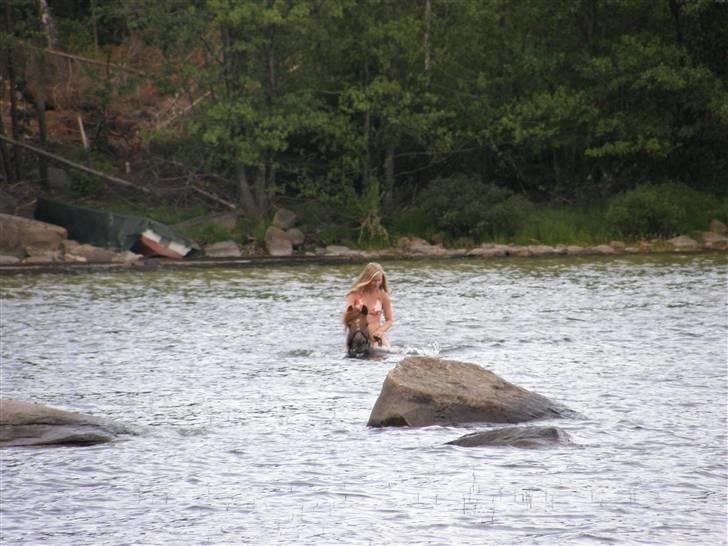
(365, 277)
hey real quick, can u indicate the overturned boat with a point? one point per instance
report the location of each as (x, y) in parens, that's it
(106, 229)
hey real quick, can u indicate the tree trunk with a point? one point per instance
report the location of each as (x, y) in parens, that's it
(266, 182)
(428, 23)
(389, 180)
(39, 102)
(47, 24)
(675, 11)
(365, 157)
(15, 154)
(94, 28)
(366, 129)
(247, 202)
(261, 182)
(40, 106)
(8, 174)
(270, 65)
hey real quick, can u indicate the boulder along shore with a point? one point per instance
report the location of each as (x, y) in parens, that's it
(27, 244)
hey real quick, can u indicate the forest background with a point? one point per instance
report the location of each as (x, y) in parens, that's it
(459, 121)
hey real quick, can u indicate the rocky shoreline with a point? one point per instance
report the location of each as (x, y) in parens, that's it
(27, 244)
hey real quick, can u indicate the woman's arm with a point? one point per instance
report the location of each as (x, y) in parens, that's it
(387, 308)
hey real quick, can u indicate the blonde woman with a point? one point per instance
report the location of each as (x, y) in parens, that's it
(370, 289)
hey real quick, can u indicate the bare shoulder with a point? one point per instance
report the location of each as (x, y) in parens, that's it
(384, 296)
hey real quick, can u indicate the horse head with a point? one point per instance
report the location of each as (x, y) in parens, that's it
(358, 342)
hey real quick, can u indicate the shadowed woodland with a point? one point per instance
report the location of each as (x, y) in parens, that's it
(459, 121)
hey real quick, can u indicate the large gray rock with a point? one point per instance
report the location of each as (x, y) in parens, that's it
(277, 242)
(541, 250)
(415, 246)
(223, 249)
(602, 249)
(576, 250)
(528, 437)
(422, 391)
(17, 233)
(683, 242)
(713, 237)
(489, 250)
(716, 226)
(284, 219)
(340, 250)
(8, 260)
(28, 424)
(296, 236)
(92, 254)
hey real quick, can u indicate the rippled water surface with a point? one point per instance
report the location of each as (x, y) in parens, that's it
(253, 425)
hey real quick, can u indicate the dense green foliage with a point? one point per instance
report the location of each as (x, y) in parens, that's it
(661, 210)
(462, 207)
(432, 115)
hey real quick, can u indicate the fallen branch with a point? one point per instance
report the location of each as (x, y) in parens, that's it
(77, 166)
(214, 197)
(184, 111)
(87, 60)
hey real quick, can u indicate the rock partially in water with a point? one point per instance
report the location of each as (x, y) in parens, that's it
(422, 391)
(526, 437)
(29, 424)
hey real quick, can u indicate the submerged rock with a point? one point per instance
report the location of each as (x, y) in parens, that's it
(526, 437)
(422, 391)
(28, 424)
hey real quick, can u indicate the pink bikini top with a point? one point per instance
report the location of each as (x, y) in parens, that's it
(377, 311)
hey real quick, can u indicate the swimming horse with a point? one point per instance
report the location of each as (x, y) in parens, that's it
(359, 342)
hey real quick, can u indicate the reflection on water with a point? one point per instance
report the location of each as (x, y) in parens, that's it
(255, 423)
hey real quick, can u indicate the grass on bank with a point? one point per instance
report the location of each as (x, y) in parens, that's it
(649, 212)
(548, 225)
(564, 225)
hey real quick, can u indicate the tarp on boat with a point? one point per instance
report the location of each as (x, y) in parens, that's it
(105, 229)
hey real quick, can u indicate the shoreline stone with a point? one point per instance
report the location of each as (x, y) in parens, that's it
(223, 249)
(277, 242)
(48, 246)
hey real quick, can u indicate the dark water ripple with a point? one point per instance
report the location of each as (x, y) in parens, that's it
(253, 424)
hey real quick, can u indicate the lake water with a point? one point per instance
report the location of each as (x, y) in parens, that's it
(253, 424)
